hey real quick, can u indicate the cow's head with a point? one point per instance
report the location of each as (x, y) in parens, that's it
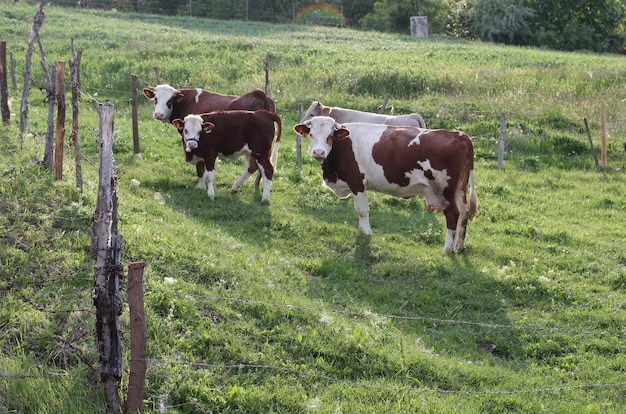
(321, 130)
(191, 128)
(164, 97)
(316, 109)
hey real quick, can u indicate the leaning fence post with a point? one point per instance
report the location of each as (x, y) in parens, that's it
(593, 150)
(501, 141)
(383, 107)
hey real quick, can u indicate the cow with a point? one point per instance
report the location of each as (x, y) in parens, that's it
(343, 115)
(230, 134)
(400, 161)
(171, 103)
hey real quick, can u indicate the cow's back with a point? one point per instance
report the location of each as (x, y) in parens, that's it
(237, 128)
(199, 101)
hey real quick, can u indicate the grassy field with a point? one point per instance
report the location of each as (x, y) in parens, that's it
(284, 307)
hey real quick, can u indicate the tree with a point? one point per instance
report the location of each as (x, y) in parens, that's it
(503, 21)
(578, 24)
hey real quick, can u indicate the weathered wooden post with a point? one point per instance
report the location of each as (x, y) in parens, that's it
(298, 137)
(157, 76)
(48, 155)
(4, 88)
(135, 116)
(74, 138)
(501, 141)
(383, 107)
(267, 77)
(593, 150)
(603, 133)
(34, 34)
(106, 246)
(138, 339)
(59, 142)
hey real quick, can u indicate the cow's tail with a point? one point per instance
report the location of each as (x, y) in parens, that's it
(473, 200)
(279, 132)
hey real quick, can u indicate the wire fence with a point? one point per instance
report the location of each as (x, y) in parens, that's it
(234, 370)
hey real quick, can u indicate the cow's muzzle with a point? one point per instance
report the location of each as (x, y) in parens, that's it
(191, 145)
(318, 154)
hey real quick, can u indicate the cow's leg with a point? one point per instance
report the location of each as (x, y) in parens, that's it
(461, 226)
(362, 208)
(266, 169)
(200, 170)
(452, 218)
(209, 177)
(250, 169)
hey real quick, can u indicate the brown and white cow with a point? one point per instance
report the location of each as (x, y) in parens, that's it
(400, 161)
(171, 103)
(230, 134)
(343, 115)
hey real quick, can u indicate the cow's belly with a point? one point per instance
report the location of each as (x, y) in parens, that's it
(339, 187)
(234, 155)
(418, 185)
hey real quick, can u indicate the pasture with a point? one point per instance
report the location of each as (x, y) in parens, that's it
(283, 307)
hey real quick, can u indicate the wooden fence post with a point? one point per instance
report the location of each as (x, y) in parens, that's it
(106, 246)
(593, 150)
(298, 137)
(59, 142)
(267, 77)
(383, 107)
(138, 335)
(48, 155)
(157, 76)
(13, 79)
(135, 116)
(501, 141)
(603, 133)
(38, 21)
(4, 88)
(74, 138)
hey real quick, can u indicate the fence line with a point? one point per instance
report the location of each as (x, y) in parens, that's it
(399, 317)
(217, 367)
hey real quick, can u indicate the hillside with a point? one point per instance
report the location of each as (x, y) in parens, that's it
(284, 307)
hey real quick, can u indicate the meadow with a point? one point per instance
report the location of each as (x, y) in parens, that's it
(284, 307)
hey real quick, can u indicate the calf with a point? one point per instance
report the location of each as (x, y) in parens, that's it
(229, 134)
(400, 161)
(171, 103)
(343, 115)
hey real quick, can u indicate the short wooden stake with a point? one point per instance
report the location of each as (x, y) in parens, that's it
(138, 341)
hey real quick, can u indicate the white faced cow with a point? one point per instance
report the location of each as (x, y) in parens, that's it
(400, 161)
(230, 134)
(171, 103)
(343, 115)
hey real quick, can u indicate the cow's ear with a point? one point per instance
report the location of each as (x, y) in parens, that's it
(178, 123)
(341, 133)
(326, 110)
(148, 93)
(207, 127)
(302, 129)
(179, 96)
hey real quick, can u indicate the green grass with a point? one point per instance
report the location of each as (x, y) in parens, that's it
(284, 307)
